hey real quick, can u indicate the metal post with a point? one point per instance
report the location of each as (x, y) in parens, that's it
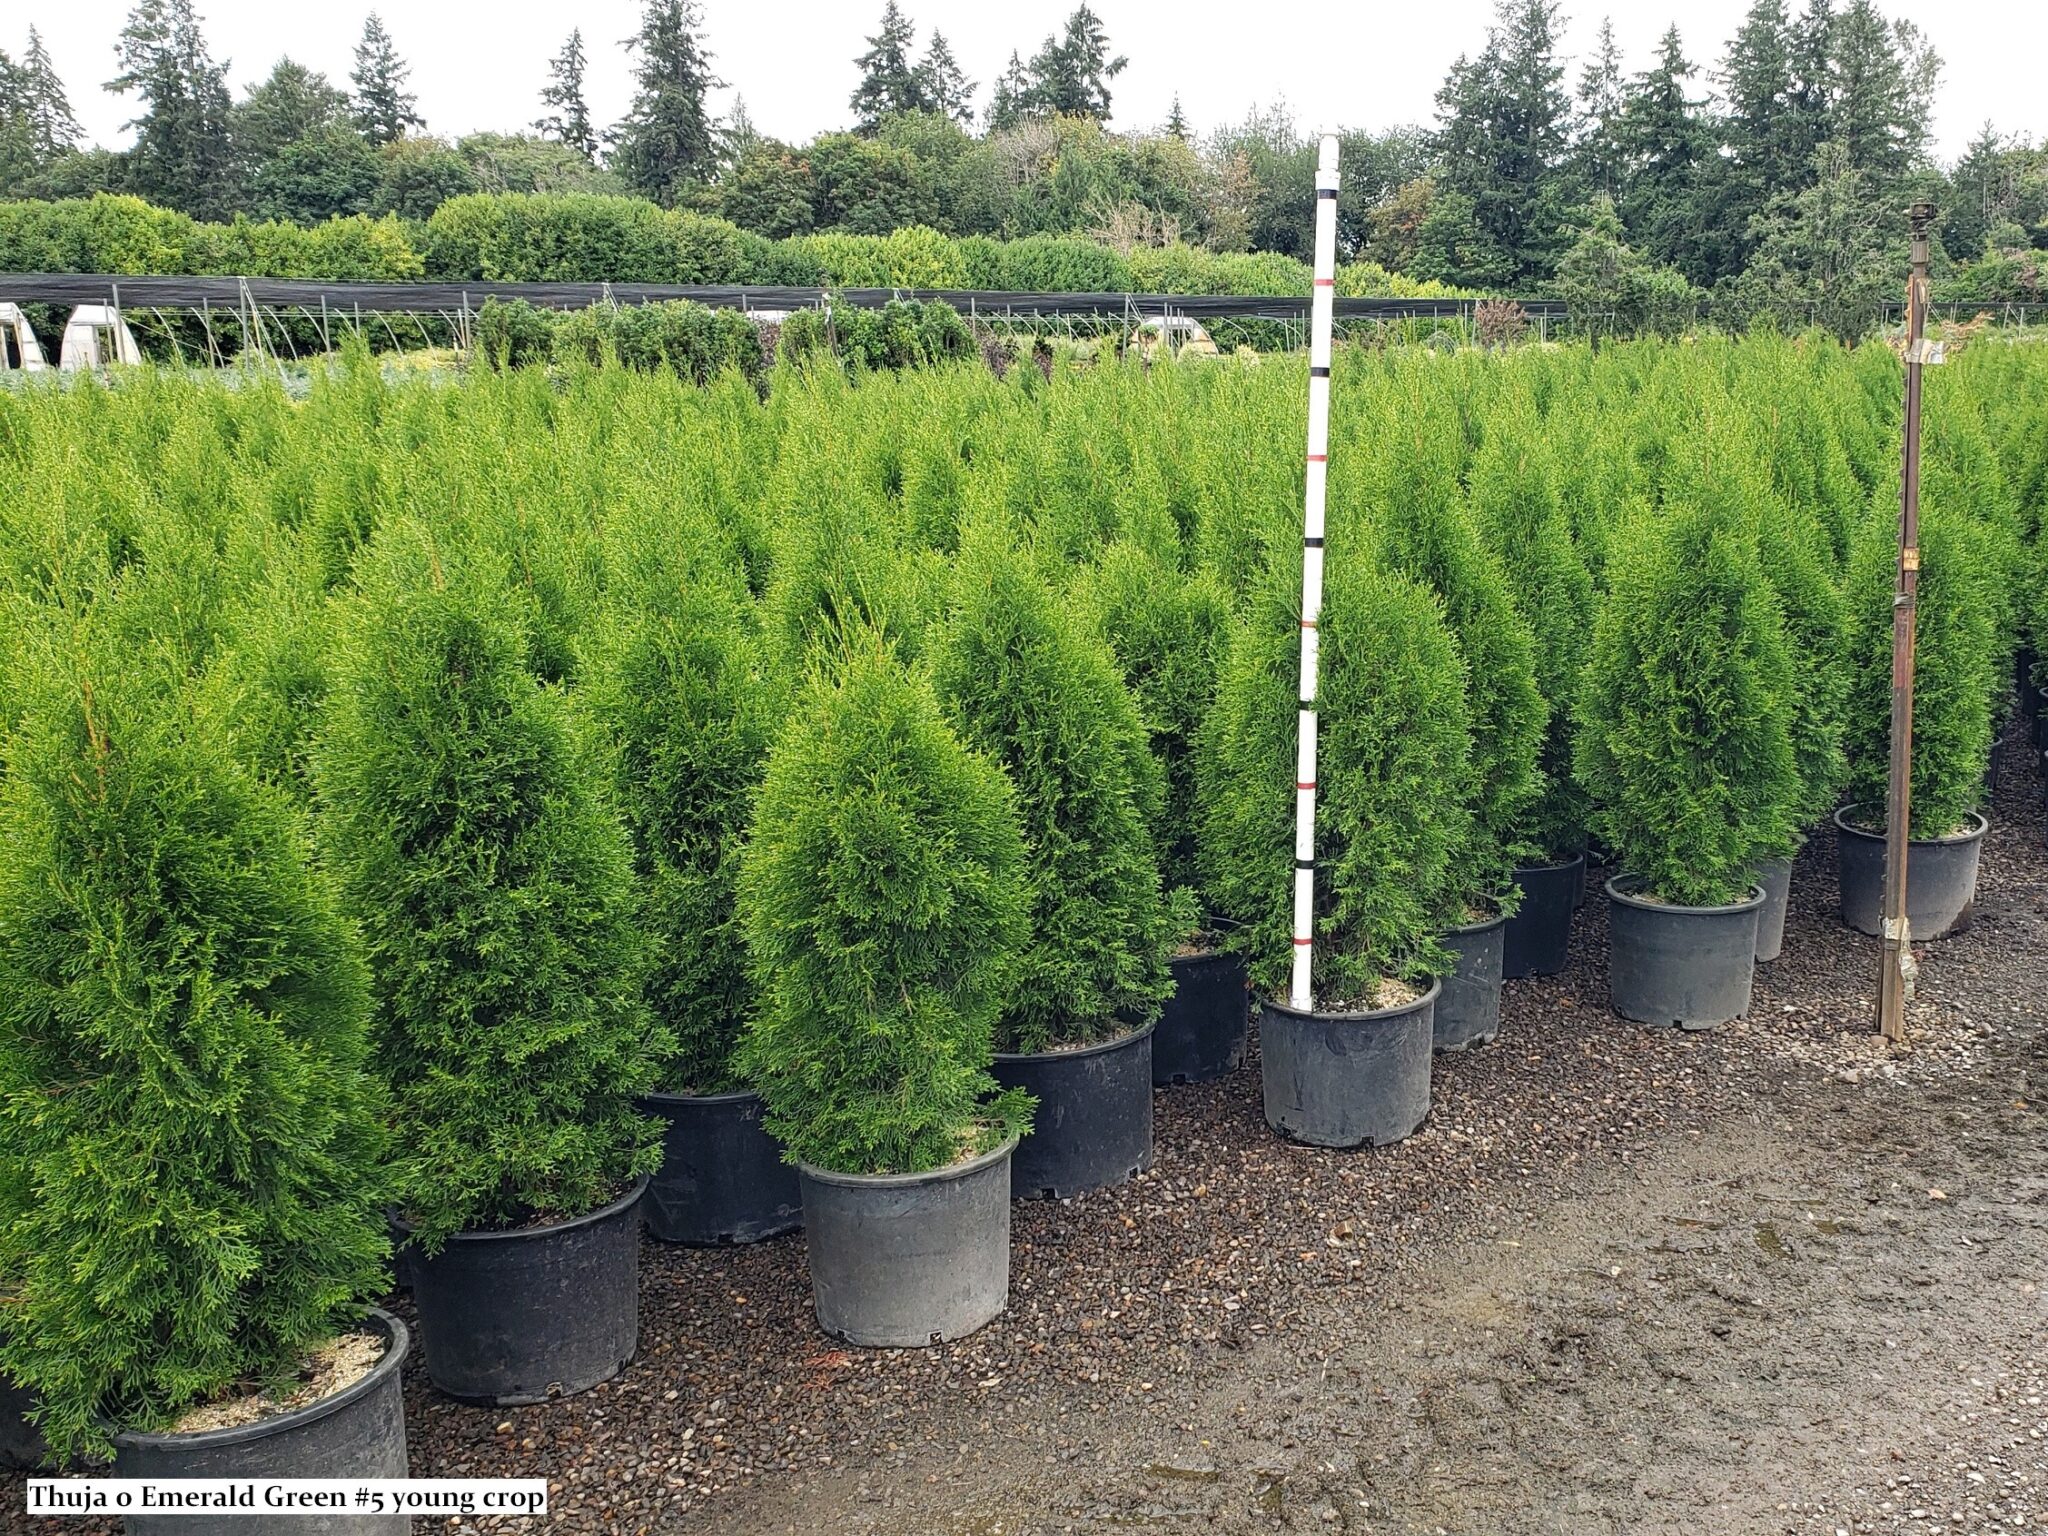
(1301, 992)
(1893, 982)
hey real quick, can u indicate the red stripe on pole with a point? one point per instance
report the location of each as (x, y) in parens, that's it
(1319, 458)
(1311, 784)
(1308, 623)
(1304, 941)
(1326, 282)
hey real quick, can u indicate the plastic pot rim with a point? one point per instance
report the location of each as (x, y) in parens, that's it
(1549, 867)
(1843, 825)
(1083, 1052)
(1630, 899)
(1370, 1015)
(547, 1229)
(398, 1339)
(1500, 921)
(658, 1097)
(907, 1180)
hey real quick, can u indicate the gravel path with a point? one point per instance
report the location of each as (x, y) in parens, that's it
(1761, 1280)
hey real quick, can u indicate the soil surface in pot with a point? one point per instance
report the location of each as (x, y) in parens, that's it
(1387, 992)
(1760, 1266)
(334, 1367)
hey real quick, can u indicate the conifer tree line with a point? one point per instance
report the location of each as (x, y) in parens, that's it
(1768, 176)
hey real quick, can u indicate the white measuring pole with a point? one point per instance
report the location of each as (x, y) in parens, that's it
(1302, 993)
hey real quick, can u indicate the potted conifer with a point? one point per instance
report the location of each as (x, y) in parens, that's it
(1168, 629)
(1956, 670)
(678, 683)
(883, 891)
(1515, 502)
(190, 1145)
(464, 810)
(1029, 684)
(1393, 811)
(1425, 533)
(1685, 745)
(1794, 555)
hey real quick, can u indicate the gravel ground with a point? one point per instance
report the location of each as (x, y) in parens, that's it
(1765, 1279)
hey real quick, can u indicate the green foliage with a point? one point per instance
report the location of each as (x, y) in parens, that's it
(463, 810)
(1169, 631)
(883, 891)
(1685, 734)
(678, 686)
(1954, 671)
(189, 1143)
(1028, 683)
(674, 336)
(1515, 503)
(1393, 774)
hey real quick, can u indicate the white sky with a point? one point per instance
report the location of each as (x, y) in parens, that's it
(479, 65)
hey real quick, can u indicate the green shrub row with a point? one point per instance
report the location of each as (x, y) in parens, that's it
(589, 238)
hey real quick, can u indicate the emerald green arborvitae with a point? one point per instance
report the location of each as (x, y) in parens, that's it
(1168, 630)
(678, 685)
(1955, 671)
(1514, 500)
(1793, 550)
(493, 882)
(1425, 533)
(1685, 734)
(190, 1148)
(1393, 772)
(883, 891)
(1028, 682)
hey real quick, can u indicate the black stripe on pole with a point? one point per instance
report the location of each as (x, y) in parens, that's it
(1304, 863)
(1316, 372)
(1312, 542)
(1309, 705)
(1330, 192)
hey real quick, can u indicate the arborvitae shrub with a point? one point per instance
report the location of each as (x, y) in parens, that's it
(190, 1147)
(467, 818)
(1168, 629)
(1685, 734)
(883, 891)
(1793, 552)
(1423, 531)
(1955, 671)
(1393, 773)
(1514, 500)
(1028, 682)
(677, 682)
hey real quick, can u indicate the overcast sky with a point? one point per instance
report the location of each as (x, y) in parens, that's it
(478, 65)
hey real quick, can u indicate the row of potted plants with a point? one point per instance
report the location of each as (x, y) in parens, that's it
(877, 834)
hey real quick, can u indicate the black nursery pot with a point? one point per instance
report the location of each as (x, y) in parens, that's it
(1775, 877)
(1201, 1031)
(1941, 878)
(524, 1315)
(1537, 941)
(21, 1443)
(359, 1432)
(1686, 966)
(903, 1260)
(1347, 1079)
(722, 1178)
(1468, 1012)
(1093, 1125)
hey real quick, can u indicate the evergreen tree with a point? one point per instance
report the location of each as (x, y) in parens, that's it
(293, 104)
(1883, 88)
(1810, 101)
(183, 156)
(383, 106)
(889, 82)
(1006, 107)
(666, 142)
(569, 121)
(1070, 74)
(1825, 255)
(466, 815)
(1600, 153)
(1176, 120)
(1502, 136)
(1756, 81)
(1027, 683)
(46, 109)
(189, 1141)
(883, 890)
(942, 83)
(1667, 145)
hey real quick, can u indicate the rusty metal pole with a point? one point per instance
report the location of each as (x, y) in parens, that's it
(1894, 982)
